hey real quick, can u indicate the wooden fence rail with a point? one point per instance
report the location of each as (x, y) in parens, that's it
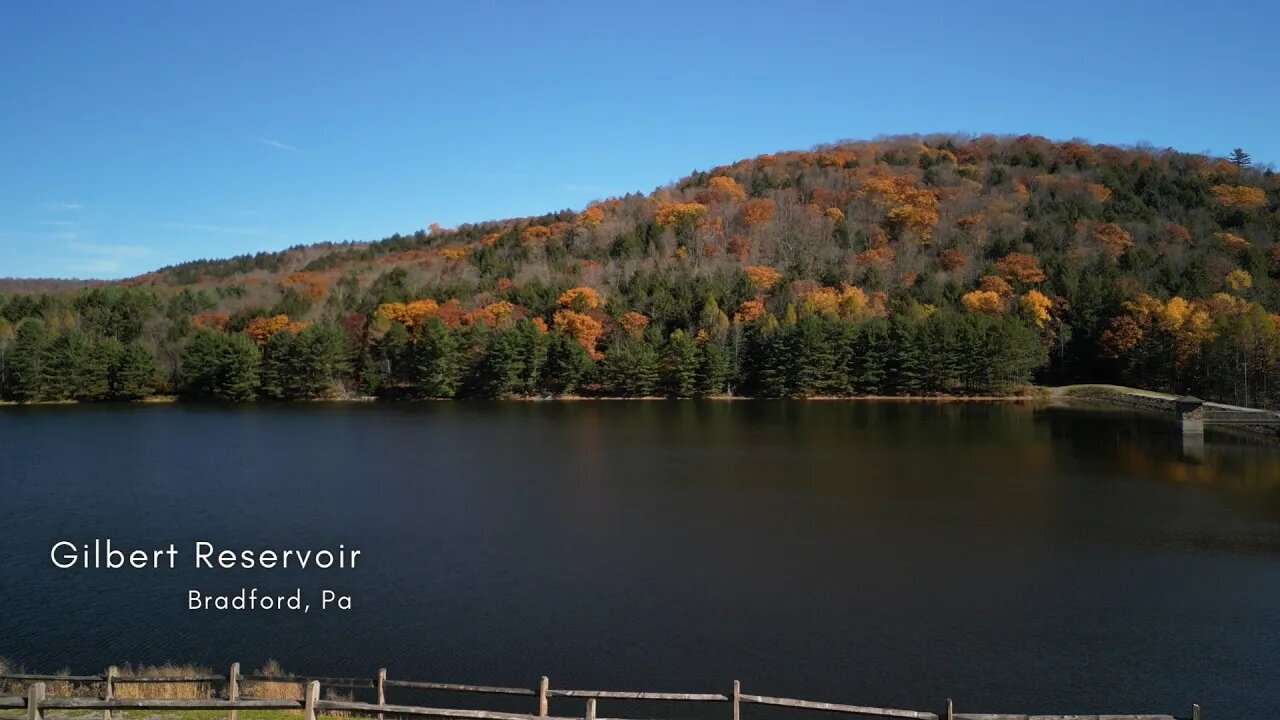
(36, 700)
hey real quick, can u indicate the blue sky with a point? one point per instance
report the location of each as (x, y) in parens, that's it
(134, 135)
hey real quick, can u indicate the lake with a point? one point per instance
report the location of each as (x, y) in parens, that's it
(1012, 557)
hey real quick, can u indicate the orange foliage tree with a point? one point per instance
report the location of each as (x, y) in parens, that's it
(762, 277)
(722, 188)
(583, 328)
(262, 328)
(1113, 239)
(750, 310)
(211, 319)
(952, 259)
(535, 234)
(757, 211)
(1231, 240)
(633, 323)
(580, 299)
(310, 285)
(1023, 267)
(592, 217)
(995, 284)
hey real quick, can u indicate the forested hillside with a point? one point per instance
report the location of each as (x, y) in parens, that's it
(909, 266)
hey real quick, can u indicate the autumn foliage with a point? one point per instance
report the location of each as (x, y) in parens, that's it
(1239, 197)
(580, 299)
(758, 211)
(678, 212)
(583, 328)
(762, 277)
(262, 328)
(1020, 266)
(1100, 263)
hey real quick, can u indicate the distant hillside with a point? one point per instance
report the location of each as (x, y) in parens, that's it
(914, 265)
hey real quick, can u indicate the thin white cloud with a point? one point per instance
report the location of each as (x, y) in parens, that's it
(101, 260)
(278, 145)
(93, 267)
(59, 223)
(210, 228)
(112, 251)
(64, 206)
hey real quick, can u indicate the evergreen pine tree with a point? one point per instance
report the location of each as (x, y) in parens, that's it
(438, 363)
(104, 356)
(25, 356)
(236, 377)
(906, 367)
(681, 361)
(63, 367)
(568, 364)
(715, 368)
(136, 374)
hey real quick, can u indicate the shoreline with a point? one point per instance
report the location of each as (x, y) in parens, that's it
(1038, 395)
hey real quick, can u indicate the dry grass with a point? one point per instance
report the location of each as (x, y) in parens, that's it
(283, 689)
(162, 691)
(55, 688)
(286, 688)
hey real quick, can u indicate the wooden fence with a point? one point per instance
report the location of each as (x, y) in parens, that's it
(36, 702)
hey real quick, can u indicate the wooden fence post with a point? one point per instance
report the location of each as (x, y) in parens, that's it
(737, 698)
(233, 686)
(108, 691)
(1195, 711)
(309, 705)
(591, 709)
(543, 685)
(382, 692)
(35, 695)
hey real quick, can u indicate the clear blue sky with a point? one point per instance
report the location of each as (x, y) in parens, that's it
(138, 134)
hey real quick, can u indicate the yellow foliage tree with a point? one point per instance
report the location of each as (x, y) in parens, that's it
(1240, 197)
(1035, 307)
(1239, 279)
(982, 301)
(673, 213)
(454, 252)
(407, 314)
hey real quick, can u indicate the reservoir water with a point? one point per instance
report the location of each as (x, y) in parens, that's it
(1012, 557)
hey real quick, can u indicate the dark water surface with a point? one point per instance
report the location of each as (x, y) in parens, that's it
(1010, 557)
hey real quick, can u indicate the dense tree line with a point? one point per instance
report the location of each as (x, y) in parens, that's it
(919, 265)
